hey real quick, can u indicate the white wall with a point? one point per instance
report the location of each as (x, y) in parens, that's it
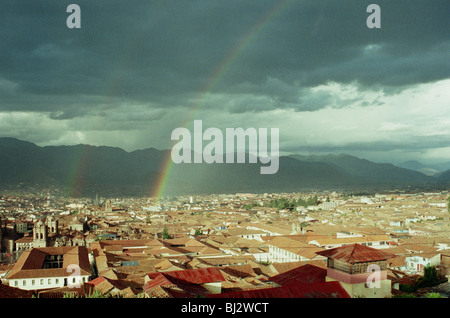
(413, 261)
(280, 255)
(46, 282)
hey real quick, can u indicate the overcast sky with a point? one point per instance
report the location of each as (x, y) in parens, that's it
(136, 70)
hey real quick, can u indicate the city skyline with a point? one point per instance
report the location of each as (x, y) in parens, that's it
(135, 72)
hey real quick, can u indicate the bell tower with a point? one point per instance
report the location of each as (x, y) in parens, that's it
(108, 206)
(52, 225)
(39, 234)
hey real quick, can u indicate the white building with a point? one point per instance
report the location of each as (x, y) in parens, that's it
(329, 205)
(284, 249)
(374, 241)
(50, 267)
(417, 262)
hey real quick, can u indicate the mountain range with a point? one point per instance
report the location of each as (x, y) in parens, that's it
(84, 170)
(428, 169)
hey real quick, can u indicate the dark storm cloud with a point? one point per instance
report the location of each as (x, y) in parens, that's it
(412, 144)
(167, 52)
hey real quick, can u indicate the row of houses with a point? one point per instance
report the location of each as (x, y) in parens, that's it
(342, 274)
(133, 267)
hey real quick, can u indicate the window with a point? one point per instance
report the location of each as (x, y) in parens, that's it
(32, 282)
(57, 280)
(16, 283)
(41, 282)
(24, 282)
(341, 266)
(49, 281)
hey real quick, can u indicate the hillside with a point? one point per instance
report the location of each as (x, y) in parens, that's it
(85, 170)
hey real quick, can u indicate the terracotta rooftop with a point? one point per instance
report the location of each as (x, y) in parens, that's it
(356, 253)
(303, 274)
(184, 283)
(12, 292)
(198, 276)
(30, 263)
(241, 271)
(349, 240)
(314, 290)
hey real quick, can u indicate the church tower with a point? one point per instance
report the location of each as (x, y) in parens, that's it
(39, 234)
(108, 206)
(52, 225)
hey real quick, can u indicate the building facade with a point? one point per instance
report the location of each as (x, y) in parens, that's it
(416, 263)
(361, 270)
(50, 267)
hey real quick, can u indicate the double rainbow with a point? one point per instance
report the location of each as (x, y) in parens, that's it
(218, 74)
(157, 192)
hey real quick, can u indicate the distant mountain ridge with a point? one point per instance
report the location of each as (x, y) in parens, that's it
(366, 169)
(84, 170)
(443, 177)
(428, 169)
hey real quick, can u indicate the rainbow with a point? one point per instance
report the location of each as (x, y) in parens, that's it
(79, 164)
(217, 75)
(76, 171)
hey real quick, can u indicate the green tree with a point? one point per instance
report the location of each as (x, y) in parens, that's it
(404, 296)
(406, 288)
(284, 203)
(165, 233)
(250, 206)
(429, 278)
(198, 232)
(94, 294)
(304, 224)
(148, 220)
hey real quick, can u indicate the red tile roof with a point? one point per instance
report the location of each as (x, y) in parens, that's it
(301, 275)
(96, 281)
(158, 280)
(356, 253)
(198, 275)
(171, 285)
(313, 290)
(29, 264)
(12, 292)
(188, 282)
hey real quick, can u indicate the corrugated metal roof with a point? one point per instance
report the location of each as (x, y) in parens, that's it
(158, 280)
(176, 287)
(301, 275)
(356, 253)
(313, 290)
(198, 275)
(187, 281)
